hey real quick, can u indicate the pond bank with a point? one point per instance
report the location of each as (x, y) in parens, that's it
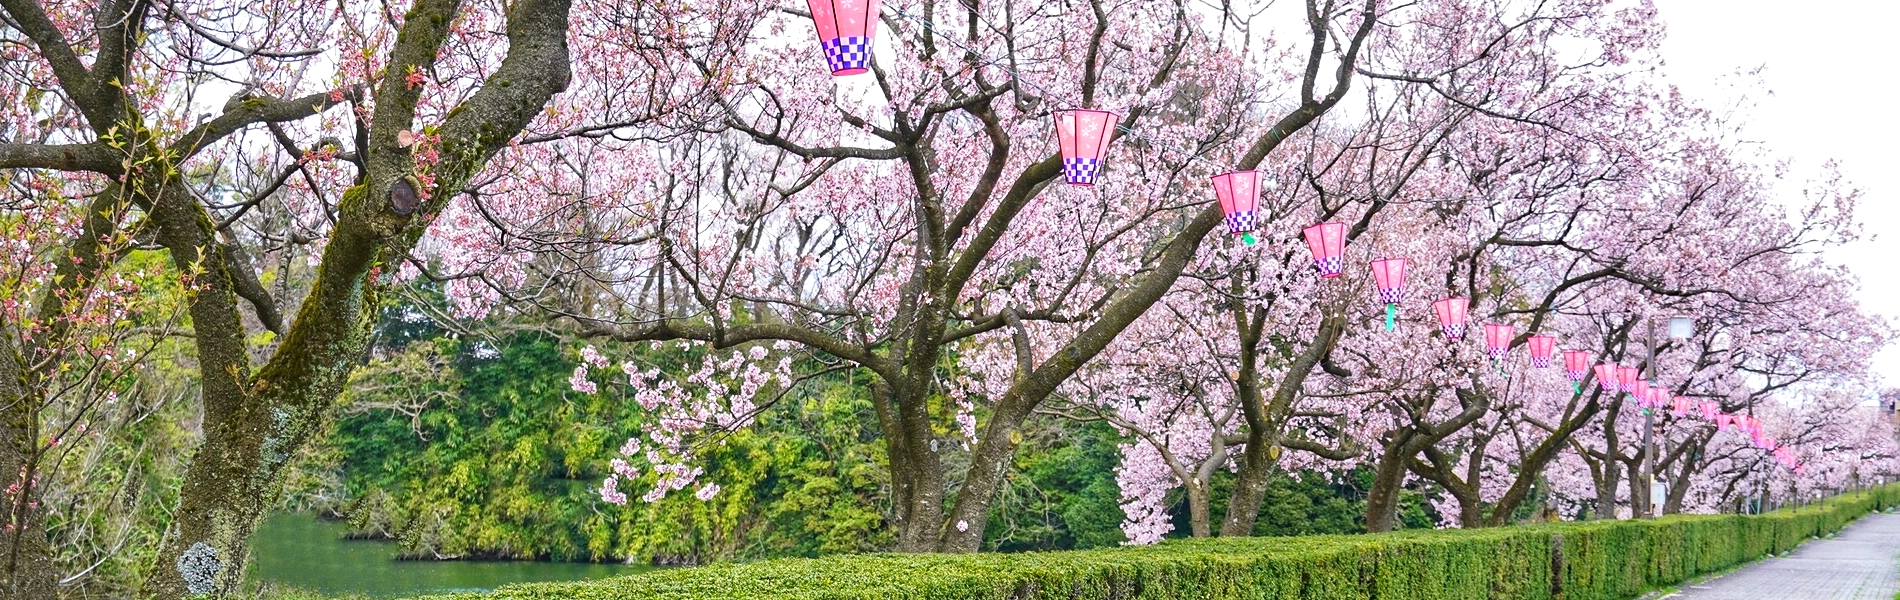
(303, 552)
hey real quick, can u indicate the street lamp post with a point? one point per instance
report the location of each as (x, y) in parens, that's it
(1679, 328)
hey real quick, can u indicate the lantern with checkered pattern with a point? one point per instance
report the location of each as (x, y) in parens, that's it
(1239, 194)
(1658, 397)
(1542, 347)
(1606, 377)
(1389, 275)
(845, 29)
(1497, 339)
(1576, 364)
(1628, 377)
(1084, 136)
(1451, 316)
(1328, 243)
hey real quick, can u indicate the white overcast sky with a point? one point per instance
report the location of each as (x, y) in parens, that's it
(1828, 94)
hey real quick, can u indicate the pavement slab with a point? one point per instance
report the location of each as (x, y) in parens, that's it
(1857, 564)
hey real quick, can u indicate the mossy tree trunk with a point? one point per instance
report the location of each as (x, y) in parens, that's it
(256, 417)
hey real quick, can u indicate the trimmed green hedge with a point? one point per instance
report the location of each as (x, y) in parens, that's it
(1565, 561)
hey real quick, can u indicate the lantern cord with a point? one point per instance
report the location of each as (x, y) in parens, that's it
(1391, 317)
(1120, 128)
(1247, 238)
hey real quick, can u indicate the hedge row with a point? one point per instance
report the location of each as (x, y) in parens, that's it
(1564, 561)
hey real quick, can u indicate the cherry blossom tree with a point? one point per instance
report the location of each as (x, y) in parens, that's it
(914, 232)
(108, 138)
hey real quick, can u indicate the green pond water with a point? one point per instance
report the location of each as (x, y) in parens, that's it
(304, 552)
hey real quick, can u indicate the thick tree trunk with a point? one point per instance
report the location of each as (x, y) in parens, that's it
(1607, 480)
(26, 569)
(914, 463)
(1639, 489)
(1198, 520)
(1471, 513)
(1678, 490)
(1382, 501)
(1257, 462)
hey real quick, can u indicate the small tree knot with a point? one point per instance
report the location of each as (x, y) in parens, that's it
(404, 195)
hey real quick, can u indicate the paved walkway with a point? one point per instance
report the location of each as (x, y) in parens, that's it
(1857, 564)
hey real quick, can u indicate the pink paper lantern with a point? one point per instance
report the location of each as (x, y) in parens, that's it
(1576, 364)
(1709, 409)
(1239, 194)
(1389, 275)
(1644, 394)
(1451, 316)
(1497, 339)
(845, 30)
(1724, 421)
(1542, 346)
(1628, 377)
(1328, 243)
(1682, 406)
(1084, 136)
(1606, 377)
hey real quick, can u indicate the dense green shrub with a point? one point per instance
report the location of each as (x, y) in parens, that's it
(1567, 561)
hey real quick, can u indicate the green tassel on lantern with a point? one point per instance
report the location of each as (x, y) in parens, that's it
(1577, 386)
(1247, 238)
(1391, 316)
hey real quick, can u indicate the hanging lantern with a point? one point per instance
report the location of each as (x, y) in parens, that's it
(1576, 364)
(1239, 194)
(1709, 409)
(1451, 316)
(845, 29)
(1724, 421)
(1328, 243)
(1576, 368)
(1640, 392)
(1497, 339)
(1629, 377)
(1389, 275)
(1606, 377)
(1681, 406)
(1542, 346)
(1084, 136)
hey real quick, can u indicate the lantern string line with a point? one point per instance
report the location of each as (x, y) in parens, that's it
(1120, 127)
